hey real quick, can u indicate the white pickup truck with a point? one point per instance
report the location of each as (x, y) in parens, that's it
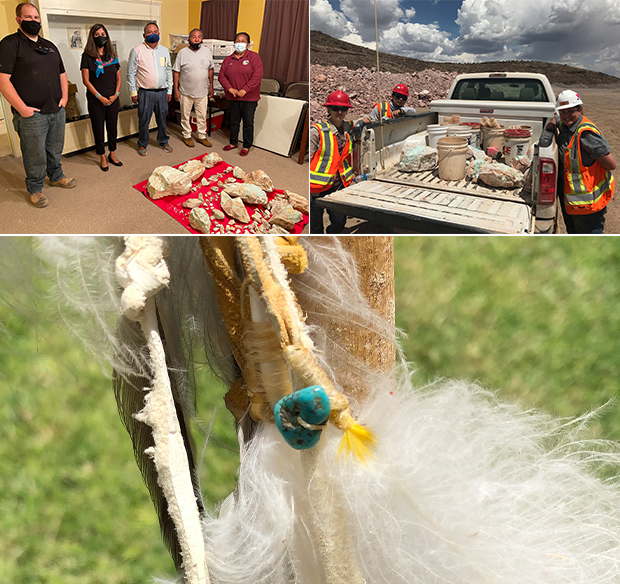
(422, 202)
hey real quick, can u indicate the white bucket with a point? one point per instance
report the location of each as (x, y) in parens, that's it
(452, 153)
(493, 137)
(435, 131)
(516, 143)
(461, 132)
(475, 141)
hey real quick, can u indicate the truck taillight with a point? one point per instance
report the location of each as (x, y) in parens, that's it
(547, 181)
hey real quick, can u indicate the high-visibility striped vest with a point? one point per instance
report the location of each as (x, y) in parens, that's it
(328, 161)
(587, 189)
(385, 111)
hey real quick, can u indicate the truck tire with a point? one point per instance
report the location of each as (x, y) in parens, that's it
(546, 226)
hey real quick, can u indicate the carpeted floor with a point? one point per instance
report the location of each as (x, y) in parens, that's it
(105, 202)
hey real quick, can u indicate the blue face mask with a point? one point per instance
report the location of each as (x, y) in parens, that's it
(240, 47)
(152, 38)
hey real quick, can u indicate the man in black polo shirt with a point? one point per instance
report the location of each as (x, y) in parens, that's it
(34, 82)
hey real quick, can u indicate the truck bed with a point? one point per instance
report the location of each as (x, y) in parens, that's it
(422, 202)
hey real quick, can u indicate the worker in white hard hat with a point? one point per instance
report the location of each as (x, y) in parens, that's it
(585, 163)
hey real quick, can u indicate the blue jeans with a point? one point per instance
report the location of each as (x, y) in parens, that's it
(42, 137)
(149, 101)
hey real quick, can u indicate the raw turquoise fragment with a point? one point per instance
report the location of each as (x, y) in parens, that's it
(301, 416)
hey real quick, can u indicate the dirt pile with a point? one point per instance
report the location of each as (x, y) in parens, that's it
(326, 50)
(361, 85)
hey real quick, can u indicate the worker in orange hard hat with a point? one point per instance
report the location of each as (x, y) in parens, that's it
(585, 184)
(393, 108)
(330, 160)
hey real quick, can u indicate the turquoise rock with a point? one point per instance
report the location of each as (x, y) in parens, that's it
(311, 406)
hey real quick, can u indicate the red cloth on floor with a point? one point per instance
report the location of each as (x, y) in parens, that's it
(173, 205)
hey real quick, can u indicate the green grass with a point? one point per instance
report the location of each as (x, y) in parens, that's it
(534, 319)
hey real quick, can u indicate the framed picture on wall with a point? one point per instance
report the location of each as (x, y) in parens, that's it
(75, 38)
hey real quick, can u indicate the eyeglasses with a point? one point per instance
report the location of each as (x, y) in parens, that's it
(341, 110)
(399, 96)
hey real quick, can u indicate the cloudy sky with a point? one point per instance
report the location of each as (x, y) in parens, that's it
(582, 33)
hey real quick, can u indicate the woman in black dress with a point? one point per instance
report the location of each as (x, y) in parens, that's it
(101, 74)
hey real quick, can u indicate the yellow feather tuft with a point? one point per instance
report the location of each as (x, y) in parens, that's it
(359, 441)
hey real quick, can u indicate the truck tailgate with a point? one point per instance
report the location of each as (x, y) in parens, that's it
(425, 203)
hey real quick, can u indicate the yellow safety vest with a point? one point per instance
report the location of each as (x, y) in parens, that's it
(327, 161)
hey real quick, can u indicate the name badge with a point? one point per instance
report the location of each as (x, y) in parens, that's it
(245, 62)
(162, 61)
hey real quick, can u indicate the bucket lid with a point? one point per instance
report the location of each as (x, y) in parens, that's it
(517, 133)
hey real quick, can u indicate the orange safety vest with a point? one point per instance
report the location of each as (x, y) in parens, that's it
(327, 162)
(385, 111)
(587, 189)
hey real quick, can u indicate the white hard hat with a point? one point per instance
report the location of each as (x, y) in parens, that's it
(567, 99)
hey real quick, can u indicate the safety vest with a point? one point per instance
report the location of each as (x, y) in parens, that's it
(327, 162)
(587, 189)
(385, 111)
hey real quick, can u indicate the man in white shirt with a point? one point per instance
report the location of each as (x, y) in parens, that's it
(192, 76)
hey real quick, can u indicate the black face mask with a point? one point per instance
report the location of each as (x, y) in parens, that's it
(100, 41)
(195, 46)
(31, 27)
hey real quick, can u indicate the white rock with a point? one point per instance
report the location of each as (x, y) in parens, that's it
(199, 220)
(166, 181)
(260, 179)
(239, 173)
(211, 159)
(234, 208)
(192, 203)
(417, 159)
(251, 194)
(194, 168)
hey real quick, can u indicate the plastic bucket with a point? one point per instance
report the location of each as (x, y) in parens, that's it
(452, 152)
(435, 131)
(493, 138)
(461, 131)
(475, 140)
(516, 143)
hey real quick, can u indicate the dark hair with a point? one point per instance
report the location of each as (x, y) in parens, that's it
(91, 47)
(19, 7)
(149, 24)
(243, 33)
(196, 30)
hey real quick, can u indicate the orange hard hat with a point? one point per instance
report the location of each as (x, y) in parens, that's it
(401, 88)
(338, 97)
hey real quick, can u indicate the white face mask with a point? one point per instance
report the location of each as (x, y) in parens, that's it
(240, 47)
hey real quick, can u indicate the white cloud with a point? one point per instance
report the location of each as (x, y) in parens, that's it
(563, 31)
(582, 32)
(324, 18)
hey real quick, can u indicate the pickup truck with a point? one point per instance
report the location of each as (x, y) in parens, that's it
(422, 202)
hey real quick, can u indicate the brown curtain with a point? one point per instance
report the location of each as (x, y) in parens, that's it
(218, 19)
(284, 40)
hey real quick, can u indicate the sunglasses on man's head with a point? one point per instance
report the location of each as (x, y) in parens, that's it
(339, 109)
(399, 96)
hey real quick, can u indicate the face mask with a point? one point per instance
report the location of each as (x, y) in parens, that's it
(240, 47)
(100, 41)
(152, 38)
(195, 46)
(31, 27)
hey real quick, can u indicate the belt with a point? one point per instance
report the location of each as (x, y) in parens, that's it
(143, 89)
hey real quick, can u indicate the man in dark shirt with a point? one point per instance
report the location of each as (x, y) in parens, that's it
(34, 82)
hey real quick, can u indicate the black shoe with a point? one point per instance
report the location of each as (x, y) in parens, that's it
(119, 163)
(104, 168)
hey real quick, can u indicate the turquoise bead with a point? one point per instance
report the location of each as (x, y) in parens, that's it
(311, 405)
